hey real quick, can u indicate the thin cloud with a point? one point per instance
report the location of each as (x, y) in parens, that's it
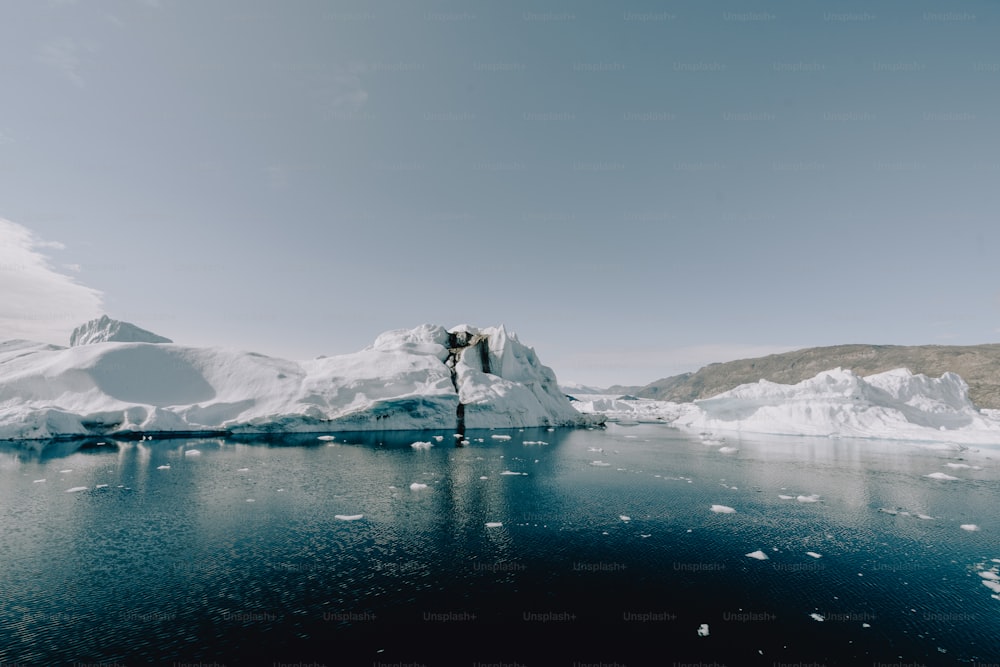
(63, 55)
(38, 302)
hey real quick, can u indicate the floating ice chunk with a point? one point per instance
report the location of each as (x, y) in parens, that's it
(600, 464)
(348, 517)
(866, 625)
(703, 630)
(438, 438)
(417, 486)
(728, 450)
(784, 497)
(483, 477)
(962, 465)
(421, 445)
(759, 555)
(535, 442)
(814, 554)
(624, 517)
(494, 524)
(992, 585)
(970, 527)
(326, 438)
(925, 517)
(192, 452)
(511, 472)
(464, 443)
(38, 481)
(722, 509)
(243, 470)
(595, 449)
(251, 500)
(66, 471)
(817, 617)
(644, 535)
(101, 486)
(940, 475)
(76, 488)
(500, 437)
(163, 467)
(989, 575)
(813, 498)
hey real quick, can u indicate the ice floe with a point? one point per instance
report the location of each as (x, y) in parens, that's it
(417, 486)
(940, 475)
(722, 509)
(75, 489)
(759, 555)
(348, 517)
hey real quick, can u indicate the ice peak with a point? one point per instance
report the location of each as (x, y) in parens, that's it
(106, 330)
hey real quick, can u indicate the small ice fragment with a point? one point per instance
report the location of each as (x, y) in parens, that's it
(500, 437)
(163, 467)
(814, 498)
(38, 481)
(510, 472)
(722, 509)
(76, 488)
(866, 625)
(192, 452)
(814, 554)
(67, 470)
(347, 517)
(438, 438)
(457, 435)
(728, 450)
(624, 517)
(243, 470)
(600, 464)
(759, 555)
(251, 500)
(817, 617)
(924, 517)
(417, 486)
(703, 630)
(494, 524)
(645, 535)
(464, 443)
(970, 527)
(940, 475)
(421, 445)
(326, 438)
(101, 486)
(784, 497)
(483, 477)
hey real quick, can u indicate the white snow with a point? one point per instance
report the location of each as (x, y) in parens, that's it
(722, 509)
(104, 329)
(348, 517)
(759, 555)
(893, 405)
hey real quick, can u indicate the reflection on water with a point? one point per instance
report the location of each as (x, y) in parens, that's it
(595, 545)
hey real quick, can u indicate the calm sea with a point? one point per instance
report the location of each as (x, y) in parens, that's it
(566, 547)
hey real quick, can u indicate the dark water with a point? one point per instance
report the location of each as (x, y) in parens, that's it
(174, 566)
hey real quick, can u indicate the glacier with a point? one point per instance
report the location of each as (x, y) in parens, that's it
(894, 405)
(423, 378)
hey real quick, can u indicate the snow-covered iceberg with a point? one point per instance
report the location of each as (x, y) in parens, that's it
(106, 330)
(894, 405)
(422, 378)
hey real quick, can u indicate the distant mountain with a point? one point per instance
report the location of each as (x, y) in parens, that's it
(106, 330)
(979, 366)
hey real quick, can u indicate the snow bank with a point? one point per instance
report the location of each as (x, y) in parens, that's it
(892, 405)
(407, 379)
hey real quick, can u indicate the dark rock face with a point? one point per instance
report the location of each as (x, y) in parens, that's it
(107, 330)
(979, 366)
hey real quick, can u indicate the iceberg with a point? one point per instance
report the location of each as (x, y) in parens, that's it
(119, 380)
(894, 405)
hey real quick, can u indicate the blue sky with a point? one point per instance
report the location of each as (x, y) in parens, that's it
(636, 188)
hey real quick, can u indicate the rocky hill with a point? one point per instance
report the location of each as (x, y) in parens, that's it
(979, 366)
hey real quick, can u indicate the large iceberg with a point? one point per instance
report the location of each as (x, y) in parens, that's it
(894, 405)
(422, 378)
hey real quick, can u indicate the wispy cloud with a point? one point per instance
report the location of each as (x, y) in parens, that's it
(39, 303)
(63, 55)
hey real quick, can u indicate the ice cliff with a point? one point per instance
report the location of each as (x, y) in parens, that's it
(422, 378)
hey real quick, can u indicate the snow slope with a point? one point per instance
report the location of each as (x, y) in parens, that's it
(892, 405)
(407, 379)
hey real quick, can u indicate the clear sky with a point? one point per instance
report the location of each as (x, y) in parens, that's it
(636, 188)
